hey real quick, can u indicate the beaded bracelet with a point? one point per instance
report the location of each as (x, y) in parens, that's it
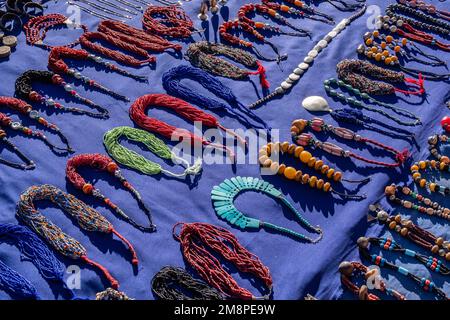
(433, 142)
(28, 163)
(173, 22)
(105, 163)
(406, 228)
(350, 269)
(202, 244)
(318, 125)
(172, 283)
(24, 90)
(424, 205)
(432, 165)
(355, 73)
(86, 217)
(36, 29)
(204, 55)
(426, 8)
(272, 149)
(136, 161)
(301, 5)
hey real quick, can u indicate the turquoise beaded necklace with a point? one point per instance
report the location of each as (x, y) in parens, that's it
(225, 193)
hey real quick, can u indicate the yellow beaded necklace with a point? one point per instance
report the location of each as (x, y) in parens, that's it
(442, 165)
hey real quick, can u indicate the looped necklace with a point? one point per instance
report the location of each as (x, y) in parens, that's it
(172, 283)
(318, 125)
(24, 108)
(433, 142)
(224, 194)
(187, 111)
(305, 9)
(28, 163)
(24, 90)
(86, 217)
(355, 73)
(204, 54)
(350, 269)
(36, 29)
(168, 21)
(171, 81)
(272, 150)
(430, 165)
(136, 161)
(105, 163)
(202, 243)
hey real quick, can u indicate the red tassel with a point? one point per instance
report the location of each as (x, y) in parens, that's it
(262, 75)
(111, 279)
(134, 259)
(419, 82)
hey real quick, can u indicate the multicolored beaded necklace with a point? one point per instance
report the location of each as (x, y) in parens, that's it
(105, 163)
(350, 269)
(172, 84)
(433, 142)
(167, 21)
(406, 228)
(24, 90)
(430, 165)
(202, 244)
(28, 163)
(272, 150)
(172, 283)
(224, 194)
(135, 161)
(318, 125)
(86, 217)
(426, 8)
(303, 12)
(204, 54)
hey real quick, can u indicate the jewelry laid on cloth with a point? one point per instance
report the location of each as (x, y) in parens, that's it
(202, 244)
(89, 11)
(350, 269)
(345, 5)
(224, 194)
(86, 217)
(139, 116)
(406, 228)
(423, 204)
(331, 85)
(433, 144)
(171, 81)
(295, 76)
(36, 29)
(425, 284)
(173, 283)
(102, 8)
(303, 11)
(136, 161)
(273, 150)
(24, 90)
(426, 8)
(356, 73)
(10, 22)
(167, 21)
(105, 163)
(209, 5)
(204, 54)
(319, 125)
(27, 164)
(24, 108)
(428, 166)
(445, 122)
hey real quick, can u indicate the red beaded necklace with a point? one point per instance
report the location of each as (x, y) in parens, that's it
(408, 31)
(172, 22)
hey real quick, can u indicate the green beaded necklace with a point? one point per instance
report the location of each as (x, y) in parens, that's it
(332, 83)
(223, 197)
(134, 160)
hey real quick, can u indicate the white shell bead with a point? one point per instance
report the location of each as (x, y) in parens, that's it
(315, 103)
(294, 77)
(285, 85)
(298, 71)
(332, 34)
(313, 53)
(323, 44)
(303, 66)
(308, 59)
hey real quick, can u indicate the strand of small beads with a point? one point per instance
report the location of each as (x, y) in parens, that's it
(28, 163)
(406, 228)
(273, 150)
(304, 9)
(433, 142)
(350, 269)
(426, 8)
(430, 166)
(424, 205)
(295, 76)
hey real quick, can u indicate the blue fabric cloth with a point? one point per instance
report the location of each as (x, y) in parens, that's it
(297, 268)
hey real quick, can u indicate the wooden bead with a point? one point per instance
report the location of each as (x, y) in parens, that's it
(432, 187)
(376, 33)
(422, 183)
(404, 232)
(414, 168)
(397, 49)
(385, 53)
(281, 168)
(289, 173)
(369, 42)
(416, 175)
(447, 256)
(297, 151)
(389, 39)
(435, 249)
(389, 190)
(445, 159)
(422, 165)
(439, 241)
(300, 124)
(383, 45)
(305, 156)
(392, 225)
(378, 57)
(398, 218)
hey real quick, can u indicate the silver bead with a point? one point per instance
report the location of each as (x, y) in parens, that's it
(51, 102)
(71, 71)
(77, 75)
(360, 49)
(34, 114)
(98, 59)
(68, 87)
(393, 28)
(347, 154)
(15, 125)
(399, 23)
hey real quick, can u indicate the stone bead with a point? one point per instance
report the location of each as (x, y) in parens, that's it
(299, 71)
(404, 232)
(439, 241)
(435, 249)
(303, 66)
(286, 85)
(308, 59)
(294, 77)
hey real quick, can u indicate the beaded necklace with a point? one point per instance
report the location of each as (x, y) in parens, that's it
(24, 108)
(426, 284)
(136, 161)
(406, 228)
(426, 8)
(332, 83)
(35, 250)
(303, 66)
(351, 269)
(187, 111)
(432, 165)
(202, 243)
(345, 6)
(303, 12)
(28, 163)
(105, 163)
(24, 90)
(424, 205)
(224, 194)
(86, 217)
(171, 81)
(172, 283)
(433, 142)
(318, 125)
(272, 149)
(204, 55)
(173, 21)
(355, 73)
(36, 29)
